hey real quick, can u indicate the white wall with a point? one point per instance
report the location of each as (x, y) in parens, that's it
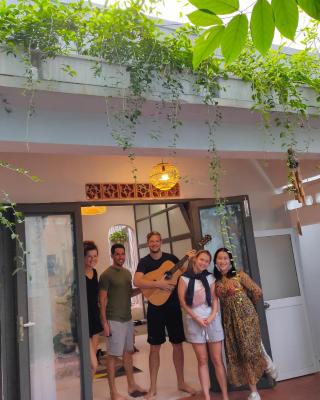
(310, 254)
(64, 178)
(96, 228)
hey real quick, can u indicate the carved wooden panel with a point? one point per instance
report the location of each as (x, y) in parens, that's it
(143, 190)
(127, 190)
(110, 191)
(93, 191)
(122, 191)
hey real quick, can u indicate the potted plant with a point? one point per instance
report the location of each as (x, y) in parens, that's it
(120, 236)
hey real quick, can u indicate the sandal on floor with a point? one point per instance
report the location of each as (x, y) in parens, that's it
(137, 393)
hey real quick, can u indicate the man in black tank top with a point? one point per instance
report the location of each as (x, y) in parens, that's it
(166, 317)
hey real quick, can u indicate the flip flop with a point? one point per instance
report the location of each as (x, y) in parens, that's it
(137, 393)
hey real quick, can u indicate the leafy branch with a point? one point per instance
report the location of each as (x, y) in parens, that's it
(232, 36)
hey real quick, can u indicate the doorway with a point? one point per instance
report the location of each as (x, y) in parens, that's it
(53, 235)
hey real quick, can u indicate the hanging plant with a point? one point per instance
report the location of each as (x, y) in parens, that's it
(120, 236)
(37, 31)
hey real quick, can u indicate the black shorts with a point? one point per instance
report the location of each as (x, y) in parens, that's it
(162, 318)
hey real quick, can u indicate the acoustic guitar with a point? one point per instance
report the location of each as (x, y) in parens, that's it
(170, 272)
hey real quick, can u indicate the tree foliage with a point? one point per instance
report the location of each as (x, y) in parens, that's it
(266, 16)
(40, 30)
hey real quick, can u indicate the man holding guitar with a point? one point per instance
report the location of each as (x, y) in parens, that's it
(157, 276)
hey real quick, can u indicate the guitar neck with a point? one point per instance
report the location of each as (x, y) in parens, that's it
(179, 264)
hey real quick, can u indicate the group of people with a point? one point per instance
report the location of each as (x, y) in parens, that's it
(191, 313)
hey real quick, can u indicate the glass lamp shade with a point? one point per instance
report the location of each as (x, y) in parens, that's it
(309, 200)
(164, 176)
(93, 210)
(293, 204)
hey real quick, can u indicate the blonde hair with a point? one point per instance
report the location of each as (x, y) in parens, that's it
(153, 233)
(203, 251)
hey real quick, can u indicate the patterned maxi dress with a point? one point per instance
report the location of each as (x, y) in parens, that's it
(245, 360)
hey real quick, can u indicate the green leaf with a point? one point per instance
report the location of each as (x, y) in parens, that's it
(262, 25)
(286, 16)
(234, 38)
(217, 6)
(311, 7)
(204, 18)
(206, 44)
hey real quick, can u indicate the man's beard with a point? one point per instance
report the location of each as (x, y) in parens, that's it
(119, 265)
(155, 251)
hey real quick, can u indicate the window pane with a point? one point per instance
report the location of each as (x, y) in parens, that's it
(180, 247)
(156, 208)
(211, 225)
(166, 247)
(143, 228)
(277, 267)
(54, 356)
(178, 225)
(143, 252)
(142, 211)
(159, 223)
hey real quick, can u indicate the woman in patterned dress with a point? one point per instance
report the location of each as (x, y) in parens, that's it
(238, 294)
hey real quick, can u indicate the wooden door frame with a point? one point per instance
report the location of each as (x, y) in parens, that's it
(188, 204)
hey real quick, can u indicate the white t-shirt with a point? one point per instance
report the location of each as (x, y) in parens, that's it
(199, 306)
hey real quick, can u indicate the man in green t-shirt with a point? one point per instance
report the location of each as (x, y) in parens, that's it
(115, 292)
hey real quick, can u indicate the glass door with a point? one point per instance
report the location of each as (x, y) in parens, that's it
(52, 328)
(232, 229)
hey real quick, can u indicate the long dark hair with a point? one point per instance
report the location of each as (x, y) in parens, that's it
(232, 271)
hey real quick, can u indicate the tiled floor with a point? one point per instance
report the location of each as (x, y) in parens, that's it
(304, 388)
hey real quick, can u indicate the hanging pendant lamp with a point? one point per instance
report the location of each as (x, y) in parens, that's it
(164, 176)
(93, 210)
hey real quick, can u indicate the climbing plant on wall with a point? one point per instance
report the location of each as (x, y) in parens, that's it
(40, 30)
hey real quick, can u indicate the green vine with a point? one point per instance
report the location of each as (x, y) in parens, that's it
(40, 30)
(8, 208)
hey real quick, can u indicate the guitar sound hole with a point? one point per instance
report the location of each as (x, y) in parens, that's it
(168, 275)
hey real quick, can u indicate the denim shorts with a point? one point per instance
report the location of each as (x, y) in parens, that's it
(197, 334)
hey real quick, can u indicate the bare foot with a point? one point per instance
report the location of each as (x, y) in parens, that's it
(137, 387)
(187, 389)
(117, 396)
(151, 395)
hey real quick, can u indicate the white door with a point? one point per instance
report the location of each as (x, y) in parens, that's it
(287, 319)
